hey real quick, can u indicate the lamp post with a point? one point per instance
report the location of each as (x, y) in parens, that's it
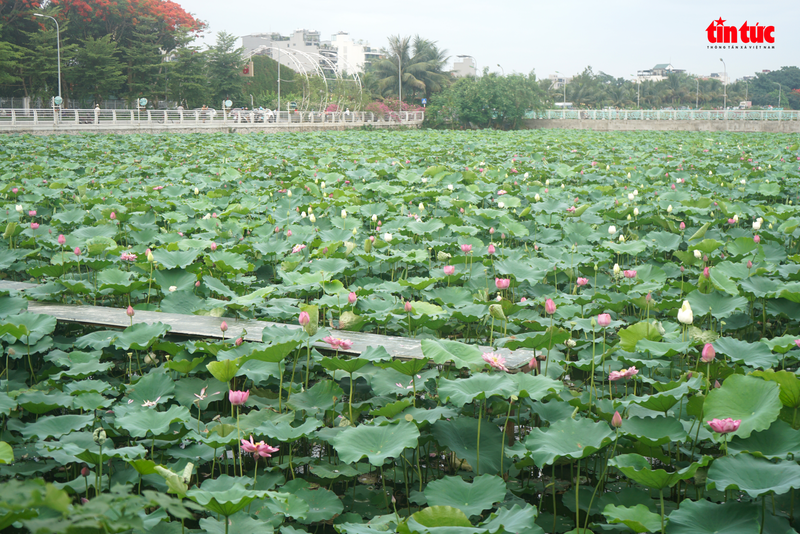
(58, 48)
(502, 69)
(780, 88)
(638, 83)
(724, 85)
(399, 84)
(746, 86)
(565, 87)
(475, 61)
(697, 94)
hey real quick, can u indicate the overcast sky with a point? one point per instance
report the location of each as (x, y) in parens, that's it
(618, 37)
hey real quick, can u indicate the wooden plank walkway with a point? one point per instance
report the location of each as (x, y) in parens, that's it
(203, 326)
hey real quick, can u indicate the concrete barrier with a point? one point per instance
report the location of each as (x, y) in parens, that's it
(663, 125)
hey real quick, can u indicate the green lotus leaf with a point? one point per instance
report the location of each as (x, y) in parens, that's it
(754, 476)
(471, 498)
(53, 426)
(141, 335)
(348, 366)
(719, 305)
(377, 443)
(223, 371)
(567, 438)
(459, 354)
(6, 453)
(789, 383)
(753, 401)
(445, 519)
(654, 431)
(139, 421)
(753, 354)
(224, 495)
(638, 469)
(638, 518)
(516, 519)
(461, 391)
(460, 435)
(319, 397)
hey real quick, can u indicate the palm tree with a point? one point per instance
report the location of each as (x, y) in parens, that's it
(419, 66)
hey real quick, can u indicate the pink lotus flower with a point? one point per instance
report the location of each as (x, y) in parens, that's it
(238, 342)
(523, 299)
(757, 239)
(749, 264)
(345, 344)
(112, 216)
(449, 270)
(129, 311)
(77, 251)
(491, 230)
(352, 297)
(238, 398)
(127, 256)
(502, 283)
(731, 221)
(495, 360)
(288, 233)
(407, 306)
(582, 281)
(304, 318)
(213, 246)
(501, 192)
(708, 353)
(32, 213)
(297, 248)
(34, 226)
(571, 209)
(604, 319)
(61, 239)
(466, 249)
(491, 249)
(258, 449)
(616, 375)
(724, 426)
(223, 326)
(705, 272)
(550, 306)
(630, 372)
(337, 343)
(797, 342)
(15, 190)
(683, 225)
(629, 273)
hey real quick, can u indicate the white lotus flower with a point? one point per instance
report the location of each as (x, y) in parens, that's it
(421, 206)
(621, 238)
(196, 191)
(631, 196)
(636, 192)
(756, 225)
(19, 208)
(312, 218)
(289, 193)
(635, 212)
(424, 180)
(612, 230)
(616, 269)
(629, 175)
(743, 181)
(685, 315)
(344, 214)
(387, 237)
(629, 217)
(173, 289)
(450, 187)
(536, 197)
(501, 205)
(698, 254)
(736, 218)
(547, 182)
(669, 208)
(303, 215)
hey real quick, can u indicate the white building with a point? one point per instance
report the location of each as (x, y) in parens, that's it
(657, 73)
(720, 76)
(303, 50)
(465, 66)
(353, 56)
(557, 81)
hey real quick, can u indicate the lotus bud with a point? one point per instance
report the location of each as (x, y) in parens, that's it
(698, 254)
(223, 326)
(352, 297)
(616, 420)
(129, 311)
(708, 353)
(669, 208)
(312, 218)
(368, 245)
(685, 315)
(407, 307)
(612, 230)
(635, 212)
(550, 306)
(238, 342)
(496, 311)
(61, 239)
(85, 471)
(344, 214)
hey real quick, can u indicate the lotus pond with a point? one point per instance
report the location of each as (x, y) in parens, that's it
(655, 276)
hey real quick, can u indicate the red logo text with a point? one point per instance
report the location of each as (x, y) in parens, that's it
(719, 33)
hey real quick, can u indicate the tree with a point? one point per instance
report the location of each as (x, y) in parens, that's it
(485, 102)
(145, 70)
(187, 79)
(10, 61)
(97, 71)
(224, 65)
(419, 65)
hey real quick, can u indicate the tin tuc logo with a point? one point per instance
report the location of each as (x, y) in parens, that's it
(719, 33)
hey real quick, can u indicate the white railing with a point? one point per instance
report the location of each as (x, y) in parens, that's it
(668, 115)
(100, 119)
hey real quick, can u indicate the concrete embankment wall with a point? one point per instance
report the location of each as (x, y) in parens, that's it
(160, 129)
(662, 125)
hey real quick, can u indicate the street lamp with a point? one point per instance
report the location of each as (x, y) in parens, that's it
(780, 88)
(638, 83)
(501, 68)
(58, 49)
(565, 87)
(399, 84)
(697, 93)
(475, 61)
(724, 85)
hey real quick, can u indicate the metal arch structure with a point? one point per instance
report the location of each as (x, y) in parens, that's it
(300, 68)
(316, 59)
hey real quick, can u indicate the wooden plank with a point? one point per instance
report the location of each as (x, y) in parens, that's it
(204, 326)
